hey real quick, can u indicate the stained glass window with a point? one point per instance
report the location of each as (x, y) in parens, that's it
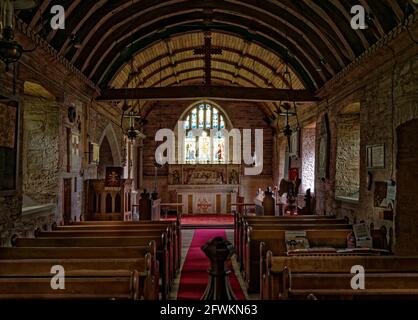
(201, 116)
(204, 148)
(190, 147)
(222, 123)
(219, 147)
(194, 118)
(187, 123)
(208, 117)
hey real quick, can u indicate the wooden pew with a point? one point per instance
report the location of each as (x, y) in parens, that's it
(119, 233)
(84, 279)
(299, 225)
(242, 224)
(173, 225)
(161, 244)
(239, 217)
(173, 233)
(329, 276)
(271, 222)
(89, 253)
(274, 240)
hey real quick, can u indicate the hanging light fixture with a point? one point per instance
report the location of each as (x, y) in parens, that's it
(287, 131)
(131, 132)
(10, 50)
(287, 77)
(134, 118)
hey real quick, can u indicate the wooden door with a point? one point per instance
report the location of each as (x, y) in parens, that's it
(67, 201)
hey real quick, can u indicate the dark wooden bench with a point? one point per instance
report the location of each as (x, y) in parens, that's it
(244, 221)
(329, 277)
(161, 245)
(120, 233)
(115, 253)
(300, 225)
(84, 279)
(175, 229)
(274, 240)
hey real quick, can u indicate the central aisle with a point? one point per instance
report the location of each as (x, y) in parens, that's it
(194, 275)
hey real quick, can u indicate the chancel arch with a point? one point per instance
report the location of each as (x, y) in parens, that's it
(111, 139)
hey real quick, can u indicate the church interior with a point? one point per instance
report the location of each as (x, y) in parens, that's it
(271, 142)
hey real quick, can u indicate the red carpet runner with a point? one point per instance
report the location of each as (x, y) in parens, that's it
(204, 220)
(194, 276)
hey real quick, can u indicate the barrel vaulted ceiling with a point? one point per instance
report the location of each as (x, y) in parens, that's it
(146, 43)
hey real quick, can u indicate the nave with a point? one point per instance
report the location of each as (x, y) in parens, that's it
(144, 141)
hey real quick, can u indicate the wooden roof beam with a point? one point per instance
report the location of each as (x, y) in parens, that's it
(171, 57)
(203, 92)
(245, 48)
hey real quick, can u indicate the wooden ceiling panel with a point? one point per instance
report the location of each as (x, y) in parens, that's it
(252, 62)
(256, 36)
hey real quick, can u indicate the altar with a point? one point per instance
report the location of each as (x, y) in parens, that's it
(204, 189)
(205, 199)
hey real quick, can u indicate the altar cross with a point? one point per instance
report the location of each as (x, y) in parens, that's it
(207, 50)
(204, 205)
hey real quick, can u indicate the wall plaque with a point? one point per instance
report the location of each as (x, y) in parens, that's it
(375, 156)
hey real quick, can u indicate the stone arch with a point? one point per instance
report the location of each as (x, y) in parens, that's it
(407, 112)
(110, 134)
(407, 188)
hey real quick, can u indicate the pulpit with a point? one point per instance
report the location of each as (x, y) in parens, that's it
(109, 202)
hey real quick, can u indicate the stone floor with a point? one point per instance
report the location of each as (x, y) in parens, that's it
(187, 236)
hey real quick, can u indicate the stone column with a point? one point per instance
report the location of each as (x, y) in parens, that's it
(140, 166)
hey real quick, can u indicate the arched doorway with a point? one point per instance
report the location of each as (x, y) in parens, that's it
(406, 219)
(106, 158)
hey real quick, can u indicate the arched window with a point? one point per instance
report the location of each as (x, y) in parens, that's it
(204, 148)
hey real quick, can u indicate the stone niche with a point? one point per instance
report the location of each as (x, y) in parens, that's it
(347, 175)
(41, 152)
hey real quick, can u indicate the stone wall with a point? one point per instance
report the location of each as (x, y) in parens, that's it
(347, 174)
(308, 159)
(41, 149)
(387, 90)
(44, 146)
